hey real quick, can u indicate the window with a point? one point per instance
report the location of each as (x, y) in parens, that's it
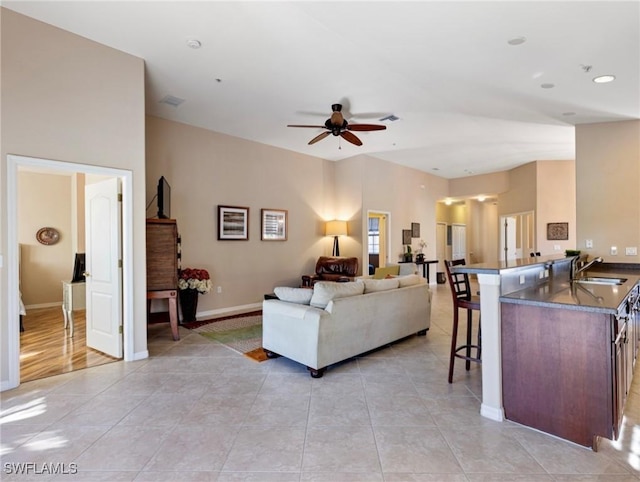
(374, 236)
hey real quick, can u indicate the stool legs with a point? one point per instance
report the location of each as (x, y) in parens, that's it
(467, 347)
(454, 338)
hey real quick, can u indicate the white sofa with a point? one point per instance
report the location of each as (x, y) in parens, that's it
(358, 317)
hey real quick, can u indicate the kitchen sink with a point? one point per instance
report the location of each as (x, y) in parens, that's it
(601, 280)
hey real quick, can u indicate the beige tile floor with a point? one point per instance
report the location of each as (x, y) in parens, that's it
(197, 411)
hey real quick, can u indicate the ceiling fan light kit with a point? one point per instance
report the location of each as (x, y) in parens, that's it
(338, 126)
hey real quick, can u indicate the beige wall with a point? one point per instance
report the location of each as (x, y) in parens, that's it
(44, 200)
(408, 194)
(556, 202)
(484, 184)
(522, 192)
(70, 99)
(206, 169)
(608, 188)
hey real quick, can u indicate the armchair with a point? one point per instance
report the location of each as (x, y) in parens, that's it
(329, 268)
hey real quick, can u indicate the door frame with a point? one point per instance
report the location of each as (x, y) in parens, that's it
(14, 162)
(387, 237)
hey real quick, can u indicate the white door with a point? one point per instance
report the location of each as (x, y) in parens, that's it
(441, 245)
(103, 267)
(508, 248)
(458, 241)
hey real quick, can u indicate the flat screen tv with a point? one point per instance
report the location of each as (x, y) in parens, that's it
(78, 268)
(164, 199)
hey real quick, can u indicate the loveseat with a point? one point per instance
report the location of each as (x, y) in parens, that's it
(337, 321)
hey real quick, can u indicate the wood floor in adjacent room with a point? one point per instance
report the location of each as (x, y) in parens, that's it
(46, 349)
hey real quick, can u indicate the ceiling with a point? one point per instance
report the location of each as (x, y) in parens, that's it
(468, 101)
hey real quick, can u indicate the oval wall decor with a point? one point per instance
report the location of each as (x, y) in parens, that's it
(48, 236)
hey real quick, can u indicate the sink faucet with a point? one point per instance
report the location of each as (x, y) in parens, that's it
(575, 272)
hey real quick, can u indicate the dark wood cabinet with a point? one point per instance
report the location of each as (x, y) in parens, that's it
(568, 372)
(162, 254)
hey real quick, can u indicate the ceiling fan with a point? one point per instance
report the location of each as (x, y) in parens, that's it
(338, 126)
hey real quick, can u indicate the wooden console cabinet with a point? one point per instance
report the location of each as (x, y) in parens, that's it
(162, 254)
(163, 263)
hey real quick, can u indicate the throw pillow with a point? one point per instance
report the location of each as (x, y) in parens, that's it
(294, 295)
(325, 291)
(409, 280)
(380, 273)
(373, 285)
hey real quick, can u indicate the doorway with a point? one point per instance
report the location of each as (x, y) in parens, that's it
(378, 240)
(14, 163)
(517, 236)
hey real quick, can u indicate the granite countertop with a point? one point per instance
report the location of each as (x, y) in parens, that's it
(602, 298)
(512, 264)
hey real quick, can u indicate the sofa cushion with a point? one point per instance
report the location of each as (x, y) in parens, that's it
(294, 295)
(381, 273)
(324, 291)
(409, 280)
(373, 285)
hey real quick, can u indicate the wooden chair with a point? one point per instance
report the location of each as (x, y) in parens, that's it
(462, 299)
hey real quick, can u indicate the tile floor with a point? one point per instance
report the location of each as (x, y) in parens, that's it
(197, 411)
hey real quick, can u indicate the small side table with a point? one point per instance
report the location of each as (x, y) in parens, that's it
(172, 295)
(74, 297)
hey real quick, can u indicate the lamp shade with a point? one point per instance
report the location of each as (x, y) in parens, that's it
(336, 228)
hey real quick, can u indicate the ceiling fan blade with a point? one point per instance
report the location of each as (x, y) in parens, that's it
(366, 127)
(300, 125)
(319, 137)
(348, 136)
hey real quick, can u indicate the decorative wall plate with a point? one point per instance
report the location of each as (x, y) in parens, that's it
(48, 236)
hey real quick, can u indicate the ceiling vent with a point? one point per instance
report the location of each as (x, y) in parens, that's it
(171, 100)
(390, 117)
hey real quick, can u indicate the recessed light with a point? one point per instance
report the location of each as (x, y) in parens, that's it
(603, 79)
(547, 86)
(436, 169)
(568, 113)
(194, 43)
(517, 41)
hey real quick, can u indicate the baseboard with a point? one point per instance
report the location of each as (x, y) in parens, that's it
(6, 385)
(206, 315)
(492, 413)
(140, 355)
(44, 305)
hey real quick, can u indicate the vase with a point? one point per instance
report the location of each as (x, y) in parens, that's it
(188, 304)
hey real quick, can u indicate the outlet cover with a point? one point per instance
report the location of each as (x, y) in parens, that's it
(632, 251)
(588, 244)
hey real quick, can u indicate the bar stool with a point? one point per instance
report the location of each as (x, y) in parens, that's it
(462, 298)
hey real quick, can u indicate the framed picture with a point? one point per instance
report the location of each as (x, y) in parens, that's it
(274, 225)
(558, 231)
(233, 223)
(415, 230)
(406, 236)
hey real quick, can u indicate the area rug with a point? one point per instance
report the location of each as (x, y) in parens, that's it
(242, 333)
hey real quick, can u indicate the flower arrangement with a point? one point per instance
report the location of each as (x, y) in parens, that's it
(194, 279)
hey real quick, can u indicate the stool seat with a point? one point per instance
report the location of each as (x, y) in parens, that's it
(463, 299)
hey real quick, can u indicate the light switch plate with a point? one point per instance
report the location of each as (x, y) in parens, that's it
(614, 251)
